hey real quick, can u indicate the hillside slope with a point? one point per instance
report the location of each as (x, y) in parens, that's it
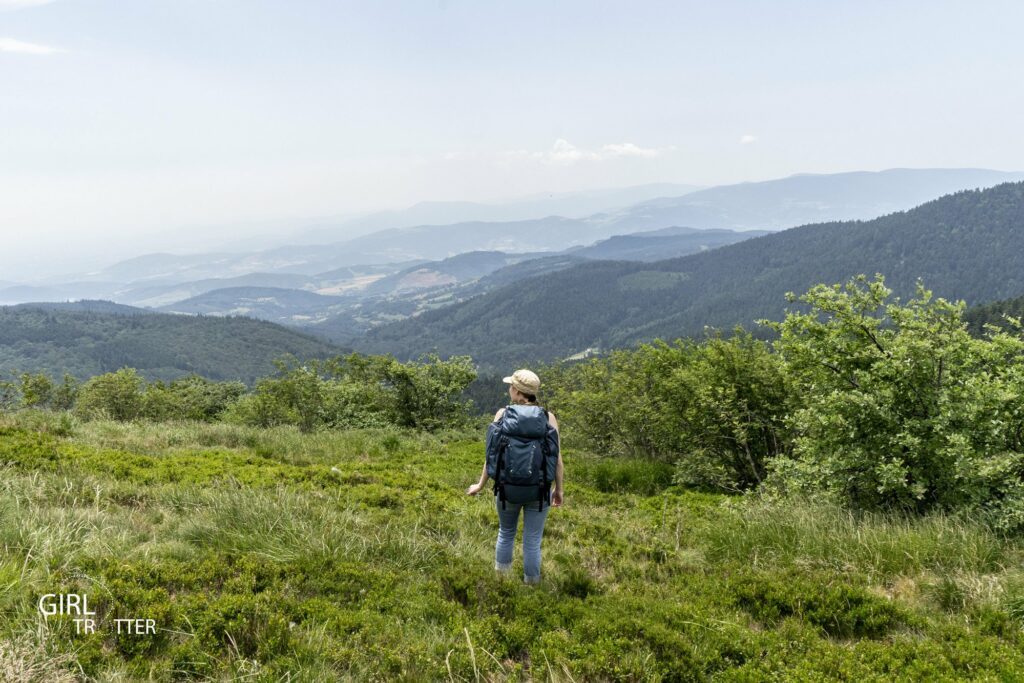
(656, 245)
(276, 304)
(160, 346)
(968, 245)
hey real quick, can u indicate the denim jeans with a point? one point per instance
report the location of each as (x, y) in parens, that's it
(533, 530)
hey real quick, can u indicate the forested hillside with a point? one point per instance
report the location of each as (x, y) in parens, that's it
(656, 245)
(994, 313)
(160, 346)
(967, 245)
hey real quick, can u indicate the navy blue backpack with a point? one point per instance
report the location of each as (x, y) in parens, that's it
(522, 455)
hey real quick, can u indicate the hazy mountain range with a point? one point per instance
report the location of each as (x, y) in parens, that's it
(662, 266)
(566, 204)
(771, 204)
(808, 198)
(967, 245)
(434, 284)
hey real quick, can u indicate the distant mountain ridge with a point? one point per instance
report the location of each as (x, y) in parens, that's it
(772, 204)
(566, 204)
(966, 245)
(808, 198)
(434, 284)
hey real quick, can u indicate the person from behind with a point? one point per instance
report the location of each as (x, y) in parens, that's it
(525, 462)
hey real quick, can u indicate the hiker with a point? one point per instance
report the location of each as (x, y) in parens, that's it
(524, 459)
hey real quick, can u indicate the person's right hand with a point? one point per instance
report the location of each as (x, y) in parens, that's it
(556, 498)
(474, 489)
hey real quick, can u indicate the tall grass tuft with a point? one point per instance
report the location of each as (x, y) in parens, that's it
(879, 545)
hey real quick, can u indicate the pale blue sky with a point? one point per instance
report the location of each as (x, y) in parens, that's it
(127, 121)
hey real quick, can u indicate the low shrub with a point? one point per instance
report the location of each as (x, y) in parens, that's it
(827, 603)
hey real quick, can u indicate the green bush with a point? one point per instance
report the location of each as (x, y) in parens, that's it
(838, 609)
(115, 395)
(360, 391)
(716, 409)
(901, 407)
(37, 390)
(189, 398)
(424, 394)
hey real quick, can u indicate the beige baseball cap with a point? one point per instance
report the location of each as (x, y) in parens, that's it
(524, 381)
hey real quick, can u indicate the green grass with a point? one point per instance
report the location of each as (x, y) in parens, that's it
(272, 555)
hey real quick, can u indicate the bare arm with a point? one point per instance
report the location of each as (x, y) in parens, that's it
(477, 487)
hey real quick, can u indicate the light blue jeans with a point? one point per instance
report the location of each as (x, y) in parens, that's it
(533, 531)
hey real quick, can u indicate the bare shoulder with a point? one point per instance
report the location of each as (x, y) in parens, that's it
(497, 415)
(552, 419)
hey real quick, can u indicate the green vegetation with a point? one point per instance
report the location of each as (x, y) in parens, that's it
(995, 313)
(900, 407)
(341, 392)
(716, 409)
(356, 555)
(845, 502)
(864, 401)
(967, 245)
(85, 343)
(360, 391)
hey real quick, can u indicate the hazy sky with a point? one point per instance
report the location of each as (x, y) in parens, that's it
(124, 124)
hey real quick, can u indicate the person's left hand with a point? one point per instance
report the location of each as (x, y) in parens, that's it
(474, 489)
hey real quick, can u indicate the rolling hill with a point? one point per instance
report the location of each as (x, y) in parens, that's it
(438, 284)
(266, 303)
(86, 340)
(967, 245)
(155, 295)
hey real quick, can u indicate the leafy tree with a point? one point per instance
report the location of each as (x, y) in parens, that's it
(10, 396)
(716, 408)
(259, 409)
(66, 393)
(189, 398)
(902, 408)
(115, 395)
(37, 390)
(357, 390)
(426, 393)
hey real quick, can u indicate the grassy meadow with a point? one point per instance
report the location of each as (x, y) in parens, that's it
(272, 555)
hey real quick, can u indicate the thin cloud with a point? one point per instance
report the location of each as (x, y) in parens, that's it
(748, 139)
(23, 48)
(564, 153)
(628, 149)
